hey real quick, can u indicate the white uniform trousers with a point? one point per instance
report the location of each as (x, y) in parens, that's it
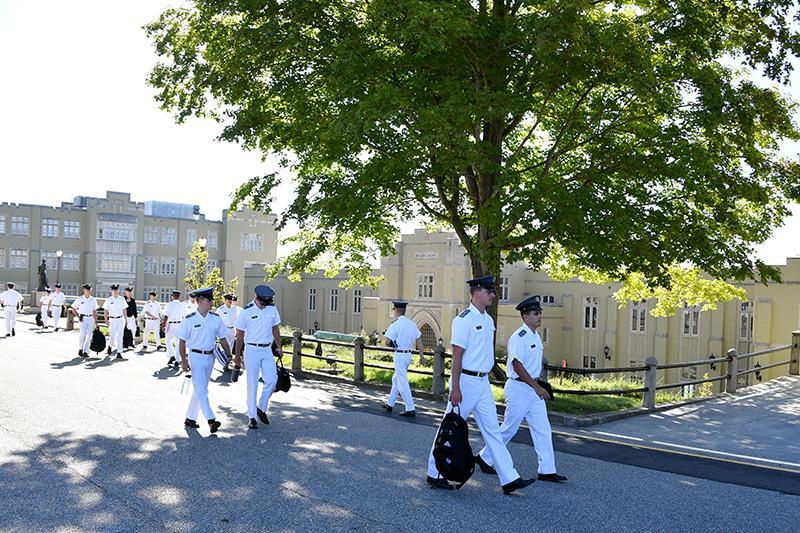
(400, 383)
(523, 403)
(259, 359)
(172, 342)
(476, 396)
(86, 331)
(151, 325)
(201, 366)
(130, 323)
(52, 321)
(11, 318)
(231, 337)
(116, 328)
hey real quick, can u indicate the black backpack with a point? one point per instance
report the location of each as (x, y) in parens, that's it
(452, 452)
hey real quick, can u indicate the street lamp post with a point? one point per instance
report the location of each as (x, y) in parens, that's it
(202, 242)
(58, 266)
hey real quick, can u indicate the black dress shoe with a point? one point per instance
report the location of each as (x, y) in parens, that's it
(171, 360)
(386, 407)
(119, 356)
(108, 352)
(410, 414)
(80, 353)
(55, 329)
(253, 424)
(262, 416)
(85, 354)
(439, 483)
(13, 333)
(485, 467)
(189, 423)
(8, 334)
(518, 483)
(214, 425)
(554, 478)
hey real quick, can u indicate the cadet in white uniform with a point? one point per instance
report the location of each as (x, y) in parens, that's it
(190, 305)
(525, 397)
(152, 316)
(85, 308)
(173, 316)
(229, 313)
(402, 335)
(473, 358)
(44, 306)
(115, 308)
(256, 330)
(197, 336)
(11, 301)
(57, 304)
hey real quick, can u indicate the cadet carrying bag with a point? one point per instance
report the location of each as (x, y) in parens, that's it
(451, 451)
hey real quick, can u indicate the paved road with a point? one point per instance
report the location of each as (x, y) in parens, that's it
(99, 445)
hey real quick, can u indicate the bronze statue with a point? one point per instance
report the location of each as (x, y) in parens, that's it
(42, 276)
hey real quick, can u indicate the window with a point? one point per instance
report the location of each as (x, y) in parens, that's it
(590, 304)
(638, 317)
(50, 228)
(746, 321)
(51, 260)
(312, 299)
(72, 229)
(334, 300)
(504, 283)
(150, 264)
(165, 294)
(70, 289)
(211, 265)
(146, 292)
(108, 230)
(691, 321)
(71, 262)
(168, 266)
(545, 334)
(548, 299)
(169, 237)
(425, 286)
(357, 301)
(21, 287)
(191, 237)
(2, 224)
(589, 361)
(116, 263)
(152, 235)
(252, 242)
(213, 240)
(2, 257)
(19, 225)
(18, 259)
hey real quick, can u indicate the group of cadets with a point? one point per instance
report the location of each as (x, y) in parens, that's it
(51, 305)
(251, 336)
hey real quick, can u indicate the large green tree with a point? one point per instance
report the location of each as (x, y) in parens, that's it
(624, 138)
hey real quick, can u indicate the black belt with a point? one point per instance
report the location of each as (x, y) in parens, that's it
(174, 322)
(229, 327)
(209, 352)
(148, 318)
(120, 316)
(473, 373)
(259, 345)
(403, 351)
(85, 315)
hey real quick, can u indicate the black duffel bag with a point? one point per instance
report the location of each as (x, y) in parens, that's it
(284, 382)
(98, 341)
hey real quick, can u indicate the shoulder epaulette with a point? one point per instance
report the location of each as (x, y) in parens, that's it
(212, 312)
(248, 306)
(522, 332)
(465, 313)
(190, 315)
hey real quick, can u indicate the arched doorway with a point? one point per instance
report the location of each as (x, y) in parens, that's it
(429, 338)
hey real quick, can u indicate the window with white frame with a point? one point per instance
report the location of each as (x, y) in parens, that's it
(50, 228)
(334, 300)
(691, 321)
(252, 242)
(504, 288)
(21, 287)
(312, 299)
(116, 263)
(72, 229)
(109, 230)
(18, 259)
(548, 299)
(746, 321)
(545, 335)
(638, 317)
(357, 301)
(150, 264)
(2, 257)
(70, 289)
(213, 239)
(2, 224)
(590, 304)
(164, 294)
(146, 292)
(191, 237)
(152, 235)
(71, 262)
(211, 265)
(169, 237)
(425, 286)
(20, 225)
(50, 259)
(168, 265)
(589, 361)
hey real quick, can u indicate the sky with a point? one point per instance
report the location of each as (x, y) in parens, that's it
(77, 117)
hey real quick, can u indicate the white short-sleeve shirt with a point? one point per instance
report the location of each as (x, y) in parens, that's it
(44, 301)
(84, 305)
(228, 314)
(10, 298)
(115, 306)
(474, 331)
(403, 332)
(175, 311)
(525, 345)
(201, 332)
(154, 308)
(257, 323)
(58, 299)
